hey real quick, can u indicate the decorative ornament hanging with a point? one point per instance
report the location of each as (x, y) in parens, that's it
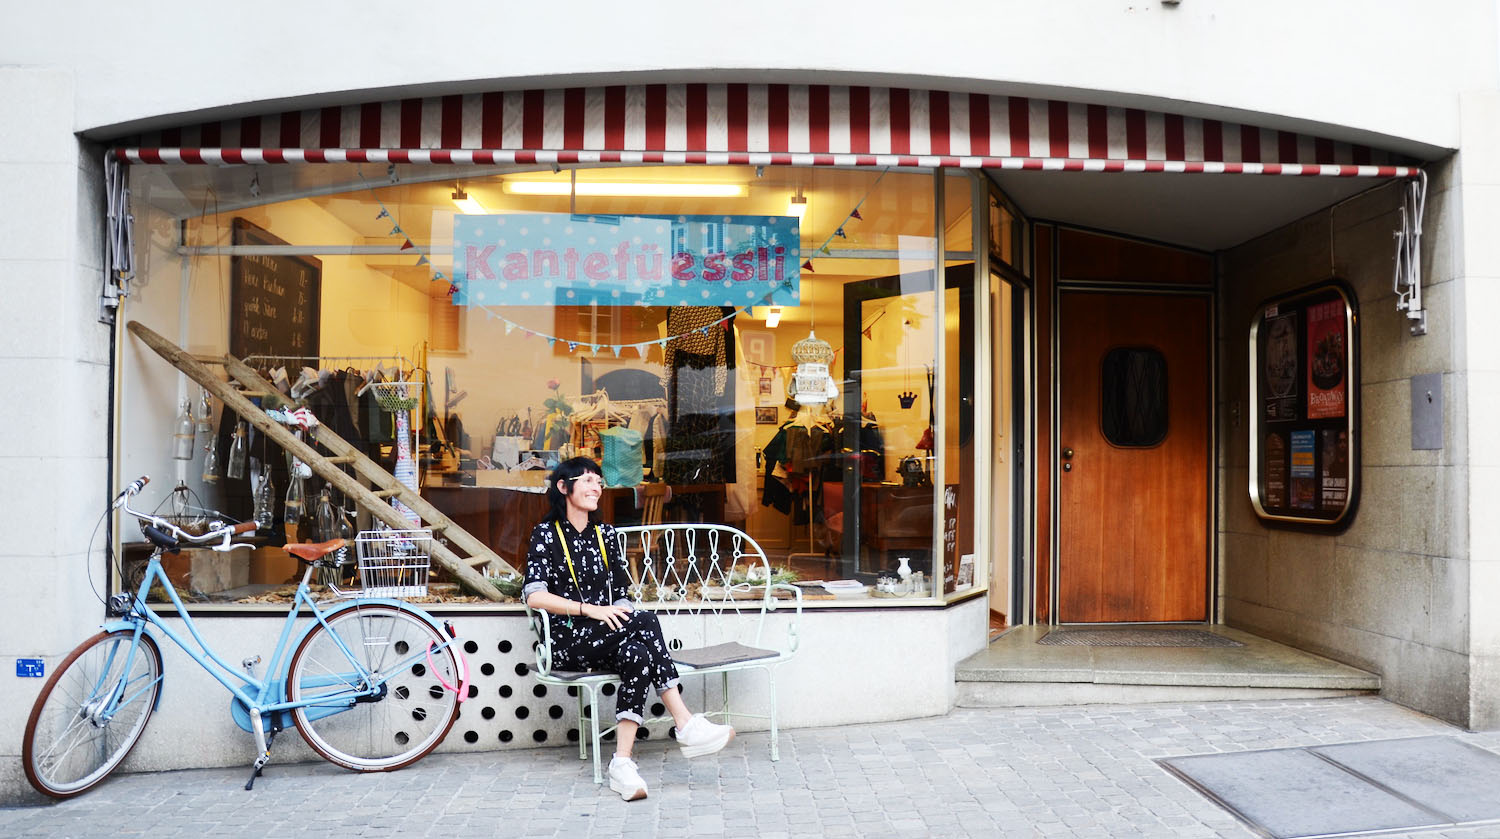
(811, 384)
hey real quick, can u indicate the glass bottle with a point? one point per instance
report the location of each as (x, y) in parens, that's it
(205, 413)
(239, 450)
(327, 524)
(292, 514)
(185, 435)
(265, 501)
(211, 460)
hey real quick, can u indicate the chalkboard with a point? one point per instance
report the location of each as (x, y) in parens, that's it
(951, 581)
(274, 301)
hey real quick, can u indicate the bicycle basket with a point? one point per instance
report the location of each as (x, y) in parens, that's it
(394, 563)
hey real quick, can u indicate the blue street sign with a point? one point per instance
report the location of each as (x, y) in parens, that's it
(29, 668)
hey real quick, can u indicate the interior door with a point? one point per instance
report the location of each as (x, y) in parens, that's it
(1134, 458)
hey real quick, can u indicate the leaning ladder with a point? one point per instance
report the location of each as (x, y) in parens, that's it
(377, 501)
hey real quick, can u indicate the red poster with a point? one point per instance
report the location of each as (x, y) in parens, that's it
(1325, 360)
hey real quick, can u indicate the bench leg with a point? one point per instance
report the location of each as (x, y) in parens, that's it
(583, 742)
(594, 732)
(771, 683)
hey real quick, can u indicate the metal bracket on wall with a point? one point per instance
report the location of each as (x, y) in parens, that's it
(119, 264)
(1408, 280)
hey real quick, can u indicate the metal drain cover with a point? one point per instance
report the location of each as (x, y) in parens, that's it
(1352, 788)
(1137, 637)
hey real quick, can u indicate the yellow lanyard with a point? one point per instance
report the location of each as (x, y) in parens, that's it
(568, 555)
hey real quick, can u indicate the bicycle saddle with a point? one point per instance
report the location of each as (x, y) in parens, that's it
(313, 551)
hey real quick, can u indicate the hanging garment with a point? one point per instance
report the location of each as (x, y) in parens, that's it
(689, 323)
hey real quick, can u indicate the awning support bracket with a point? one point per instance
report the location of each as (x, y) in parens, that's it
(119, 268)
(1408, 278)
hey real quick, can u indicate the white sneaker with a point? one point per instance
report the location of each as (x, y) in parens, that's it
(625, 779)
(703, 737)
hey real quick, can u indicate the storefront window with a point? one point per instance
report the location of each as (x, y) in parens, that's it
(652, 318)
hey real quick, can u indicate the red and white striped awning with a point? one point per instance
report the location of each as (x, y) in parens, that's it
(762, 124)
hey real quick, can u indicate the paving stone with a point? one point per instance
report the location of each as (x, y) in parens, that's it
(1026, 772)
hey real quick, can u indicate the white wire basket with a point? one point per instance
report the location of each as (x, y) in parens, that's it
(394, 563)
(395, 396)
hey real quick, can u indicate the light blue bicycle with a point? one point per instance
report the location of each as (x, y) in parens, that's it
(372, 684)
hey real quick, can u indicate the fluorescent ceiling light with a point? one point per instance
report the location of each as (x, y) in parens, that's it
(470, 206)
(798, 205)
(773, 317)
(626, 190)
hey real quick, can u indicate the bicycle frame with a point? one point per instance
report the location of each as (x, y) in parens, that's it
(260, 698)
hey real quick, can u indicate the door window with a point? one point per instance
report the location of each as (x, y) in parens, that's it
(1133, 404)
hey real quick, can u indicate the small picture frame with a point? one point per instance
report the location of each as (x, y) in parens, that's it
(767, 415)
(765, 387)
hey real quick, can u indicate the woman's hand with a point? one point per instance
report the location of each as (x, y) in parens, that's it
(612, 616)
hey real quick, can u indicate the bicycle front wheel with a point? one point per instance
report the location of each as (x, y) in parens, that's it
(90, 713)
(410, 712)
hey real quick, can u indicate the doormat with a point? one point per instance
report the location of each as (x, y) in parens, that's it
(1136, 637)
(1350, 788)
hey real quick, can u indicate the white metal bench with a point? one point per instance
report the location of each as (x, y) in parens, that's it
(707, 585)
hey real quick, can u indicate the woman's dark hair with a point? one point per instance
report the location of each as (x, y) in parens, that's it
(567, 471)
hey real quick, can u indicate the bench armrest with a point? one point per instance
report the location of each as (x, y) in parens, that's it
(773, 605)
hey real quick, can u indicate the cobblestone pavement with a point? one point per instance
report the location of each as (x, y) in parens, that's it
(1077, 771)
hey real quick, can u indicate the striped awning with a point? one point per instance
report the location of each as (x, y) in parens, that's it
(762, 124)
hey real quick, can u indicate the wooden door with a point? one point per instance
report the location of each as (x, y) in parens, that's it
(1134, 459)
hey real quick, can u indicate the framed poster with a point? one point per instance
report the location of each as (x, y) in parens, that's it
(1304, 384)
(275, 302)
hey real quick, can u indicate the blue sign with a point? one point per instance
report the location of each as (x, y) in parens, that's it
(1302, 454)
(558, 259)
(30, 668)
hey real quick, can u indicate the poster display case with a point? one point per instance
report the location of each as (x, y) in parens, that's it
(1304, 388)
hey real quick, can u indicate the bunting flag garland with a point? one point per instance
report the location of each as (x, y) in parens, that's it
(839, 231)
(407, 245)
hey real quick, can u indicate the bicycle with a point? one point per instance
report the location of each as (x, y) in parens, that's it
(371, 683)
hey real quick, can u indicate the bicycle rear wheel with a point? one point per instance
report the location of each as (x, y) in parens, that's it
(406, 719)
(90, 713)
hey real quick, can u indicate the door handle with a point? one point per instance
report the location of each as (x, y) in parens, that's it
(1067, 453)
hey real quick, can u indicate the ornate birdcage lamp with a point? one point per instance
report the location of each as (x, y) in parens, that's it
(811, 384)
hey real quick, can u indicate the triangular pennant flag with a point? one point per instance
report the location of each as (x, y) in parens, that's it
(807, 266)
(825, 251)
(384, 213)
(438, 275)
(594, 347)
(641, 350)
(854, 214)
(572, 345)
(421, 260)
(452, 289)
(407, 245)
(551, 341)
(616, 348)
(840, 233)
(395, 230)
(866, 332)
(508, 326)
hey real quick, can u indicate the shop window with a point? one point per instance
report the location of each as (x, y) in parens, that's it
(1133, 405)
(530, 363)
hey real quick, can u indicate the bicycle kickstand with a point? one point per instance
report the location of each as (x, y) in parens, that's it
(264, 756)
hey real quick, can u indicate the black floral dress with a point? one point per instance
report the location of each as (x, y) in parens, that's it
(636, 651)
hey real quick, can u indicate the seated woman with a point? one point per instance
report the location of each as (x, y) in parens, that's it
(571, 575)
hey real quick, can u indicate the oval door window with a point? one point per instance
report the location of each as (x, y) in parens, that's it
(1133, 402)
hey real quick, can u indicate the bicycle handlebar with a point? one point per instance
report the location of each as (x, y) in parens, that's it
(224, 533)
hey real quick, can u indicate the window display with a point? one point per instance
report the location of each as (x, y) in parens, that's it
(775, 369)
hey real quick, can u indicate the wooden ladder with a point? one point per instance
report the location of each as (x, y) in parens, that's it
(328, 468)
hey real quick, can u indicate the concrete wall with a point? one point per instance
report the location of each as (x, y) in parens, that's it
(1478, 174)
(53, 468)
(1304, 63)
(1391, 594)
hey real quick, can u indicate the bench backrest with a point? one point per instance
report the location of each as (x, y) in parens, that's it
(700, 570)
